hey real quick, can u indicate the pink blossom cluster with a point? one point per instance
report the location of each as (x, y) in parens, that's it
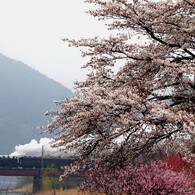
(155, 178)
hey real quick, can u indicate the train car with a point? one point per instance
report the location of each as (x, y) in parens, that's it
(57, 162)
(33, 162)
(29, 162)
(7, 162)
(38, 162)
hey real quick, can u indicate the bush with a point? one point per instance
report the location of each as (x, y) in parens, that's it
(155, 178)
(178, 164)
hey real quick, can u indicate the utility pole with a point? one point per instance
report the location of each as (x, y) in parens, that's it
(42, 167)
(42, 154)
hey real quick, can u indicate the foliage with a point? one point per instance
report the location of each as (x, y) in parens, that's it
(50, 183)
(140, 90)
(147, 179)
(53, 182)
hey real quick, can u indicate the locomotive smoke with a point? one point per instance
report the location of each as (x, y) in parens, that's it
(34, 148)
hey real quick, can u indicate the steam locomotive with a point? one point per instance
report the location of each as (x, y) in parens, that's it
(33, 162)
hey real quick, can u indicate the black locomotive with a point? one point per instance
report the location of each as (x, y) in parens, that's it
(33, 162)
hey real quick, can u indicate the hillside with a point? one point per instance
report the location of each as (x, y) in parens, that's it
(25, 95)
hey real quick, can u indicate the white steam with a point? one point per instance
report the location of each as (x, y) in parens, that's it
(34, 148)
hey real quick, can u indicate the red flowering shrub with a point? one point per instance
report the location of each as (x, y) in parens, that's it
(180, 165)
(177, 163)
(155, 178)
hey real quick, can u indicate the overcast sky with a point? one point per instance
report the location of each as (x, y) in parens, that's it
(31, 32)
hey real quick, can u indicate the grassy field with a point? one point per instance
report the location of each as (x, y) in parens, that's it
(27, 189)
(64, 192)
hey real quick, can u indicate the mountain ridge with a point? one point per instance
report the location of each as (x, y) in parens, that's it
(25, 95)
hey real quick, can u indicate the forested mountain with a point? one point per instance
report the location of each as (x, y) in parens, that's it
(25, 95)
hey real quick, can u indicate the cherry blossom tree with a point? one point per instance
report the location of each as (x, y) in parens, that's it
(139, 94)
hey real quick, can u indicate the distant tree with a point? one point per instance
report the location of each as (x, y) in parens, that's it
(149, 179)
(140, 92)
(51, 182)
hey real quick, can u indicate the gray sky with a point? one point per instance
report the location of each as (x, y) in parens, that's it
(31, 32)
